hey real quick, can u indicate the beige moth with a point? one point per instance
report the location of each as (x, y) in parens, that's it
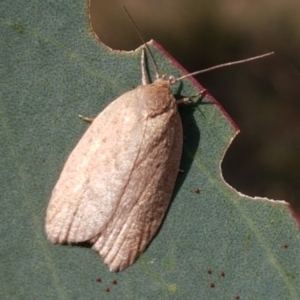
(117, 183)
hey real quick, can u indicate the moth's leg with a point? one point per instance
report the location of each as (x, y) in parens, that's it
(143, 67)
(187, 99)
(86, 119)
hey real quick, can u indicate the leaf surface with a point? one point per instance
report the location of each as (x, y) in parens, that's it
(52, 69)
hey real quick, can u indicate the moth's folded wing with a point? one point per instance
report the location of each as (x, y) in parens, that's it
(146, 197)
(96, 174)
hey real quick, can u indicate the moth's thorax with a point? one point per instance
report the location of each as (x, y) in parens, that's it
(156, 97)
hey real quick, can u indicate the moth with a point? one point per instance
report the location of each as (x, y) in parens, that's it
(117, 183)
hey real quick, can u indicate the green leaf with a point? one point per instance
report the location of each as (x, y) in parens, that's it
(215, 244)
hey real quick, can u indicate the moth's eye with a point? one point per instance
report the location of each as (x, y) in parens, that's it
(172, 79)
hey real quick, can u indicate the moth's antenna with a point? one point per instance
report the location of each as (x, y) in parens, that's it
(142, 39)
(222, 66)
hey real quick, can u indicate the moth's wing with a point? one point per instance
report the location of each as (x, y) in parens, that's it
(96, 173)
(147, 194)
